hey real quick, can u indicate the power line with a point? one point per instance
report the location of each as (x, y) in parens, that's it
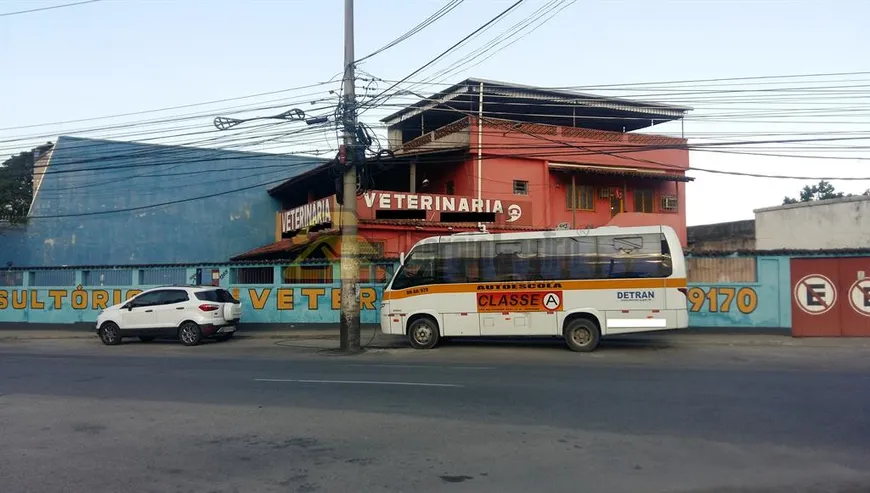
(5, 14)
(448, 50)
(452, 4)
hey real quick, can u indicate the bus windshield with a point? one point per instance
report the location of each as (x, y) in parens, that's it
(418, 269)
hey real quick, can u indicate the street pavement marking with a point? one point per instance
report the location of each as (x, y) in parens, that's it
(359, 382)
(428, 366)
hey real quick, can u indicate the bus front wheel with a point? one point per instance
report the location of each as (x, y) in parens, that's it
(582, 335)
(423, 333)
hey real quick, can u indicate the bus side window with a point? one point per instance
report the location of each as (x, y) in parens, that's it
(488, 270)
(582, 257)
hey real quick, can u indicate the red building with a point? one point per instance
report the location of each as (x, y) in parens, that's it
(501, 155)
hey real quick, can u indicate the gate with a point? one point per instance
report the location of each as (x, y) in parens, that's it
(830, 297)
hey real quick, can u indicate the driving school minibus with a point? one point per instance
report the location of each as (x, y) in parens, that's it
(577, 284)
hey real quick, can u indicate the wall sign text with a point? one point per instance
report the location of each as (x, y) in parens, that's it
(722, 299)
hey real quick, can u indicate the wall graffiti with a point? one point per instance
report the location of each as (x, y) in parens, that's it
(58, 299)
(309, 297)
(99, 299)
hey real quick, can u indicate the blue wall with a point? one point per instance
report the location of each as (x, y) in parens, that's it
(95, 176)
(765, 303)
(63, 296)
(47, 295)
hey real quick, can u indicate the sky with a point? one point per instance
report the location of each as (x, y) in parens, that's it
(117, 56)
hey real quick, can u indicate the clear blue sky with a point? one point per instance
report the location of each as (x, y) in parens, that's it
(117, 56)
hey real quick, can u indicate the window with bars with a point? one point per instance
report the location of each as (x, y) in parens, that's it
(643, 201)
(583, 199)
(252, 275)
(308, 274)
(521, 187)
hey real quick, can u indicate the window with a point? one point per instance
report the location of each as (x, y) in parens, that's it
(521, 187)
(458, 262)
(307, 274)
(583, 199)
(383, 273)
(365, 274)
(252, 275)
(216, 296)
(511, 260)
(173, 296)
(449, 188)
(643, 201)
(148, 299)
(419, 268)
(634, 256)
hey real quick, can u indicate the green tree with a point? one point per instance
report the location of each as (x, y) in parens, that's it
(822, 191)
(16, 184)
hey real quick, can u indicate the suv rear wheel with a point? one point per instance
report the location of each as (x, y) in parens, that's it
(190, 334)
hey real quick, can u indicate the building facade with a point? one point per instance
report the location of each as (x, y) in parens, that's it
(563, 161)
(94, 204)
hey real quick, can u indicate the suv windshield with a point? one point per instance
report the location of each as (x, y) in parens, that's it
(216, 296)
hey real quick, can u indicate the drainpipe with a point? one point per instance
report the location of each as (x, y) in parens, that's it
(480, 143)
(573, 202)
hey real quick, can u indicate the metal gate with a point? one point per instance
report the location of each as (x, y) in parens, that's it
(830, 297)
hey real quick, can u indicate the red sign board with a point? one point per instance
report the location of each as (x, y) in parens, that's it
(510, 212)
(831, 297)
(519, 301)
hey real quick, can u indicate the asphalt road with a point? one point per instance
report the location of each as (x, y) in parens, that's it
(256, 416)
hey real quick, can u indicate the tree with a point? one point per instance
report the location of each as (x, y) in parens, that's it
(16, 184)
(824, 190)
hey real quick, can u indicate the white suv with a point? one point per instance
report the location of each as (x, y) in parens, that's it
(189, 313)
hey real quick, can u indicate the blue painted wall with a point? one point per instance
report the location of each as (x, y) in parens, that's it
(64, 296)
(96, 176)
(48, 296)
(765, 303)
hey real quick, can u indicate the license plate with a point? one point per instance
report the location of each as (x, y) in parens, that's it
(230, 328)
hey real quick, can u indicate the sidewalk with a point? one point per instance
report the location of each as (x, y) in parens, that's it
(371, 336)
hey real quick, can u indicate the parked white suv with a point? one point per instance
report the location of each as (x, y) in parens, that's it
(188, 313)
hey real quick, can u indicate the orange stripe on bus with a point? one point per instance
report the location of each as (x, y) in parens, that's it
(586, 284)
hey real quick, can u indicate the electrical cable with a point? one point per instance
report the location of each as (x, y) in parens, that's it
(448, 50)
(40, 9)
(446, 9)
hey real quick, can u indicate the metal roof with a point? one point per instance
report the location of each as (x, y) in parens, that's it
(468, 91)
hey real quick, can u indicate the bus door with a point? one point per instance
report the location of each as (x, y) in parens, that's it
(509, 306)
(459, 267)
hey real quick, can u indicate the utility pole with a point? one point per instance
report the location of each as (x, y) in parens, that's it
(350, 317)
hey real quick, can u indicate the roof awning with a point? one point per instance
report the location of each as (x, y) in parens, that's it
(620, 171)
(323, 245)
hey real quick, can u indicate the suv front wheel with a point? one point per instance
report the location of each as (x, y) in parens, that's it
(110, 334)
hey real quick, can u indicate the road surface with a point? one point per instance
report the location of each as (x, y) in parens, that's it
(278, 416)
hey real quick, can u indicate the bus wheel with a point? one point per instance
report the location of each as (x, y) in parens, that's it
(423, 333)
(582, 335)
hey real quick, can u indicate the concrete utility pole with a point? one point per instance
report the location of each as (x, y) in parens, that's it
(350, 318)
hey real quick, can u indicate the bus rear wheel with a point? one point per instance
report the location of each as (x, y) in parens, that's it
(423, 333)
(582, 335)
